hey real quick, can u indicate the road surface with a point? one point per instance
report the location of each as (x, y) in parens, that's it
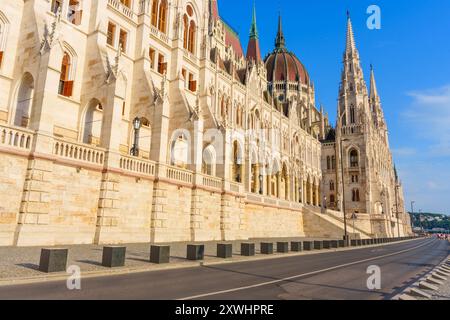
(332, 275)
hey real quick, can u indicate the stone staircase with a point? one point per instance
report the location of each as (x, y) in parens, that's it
(327, 225)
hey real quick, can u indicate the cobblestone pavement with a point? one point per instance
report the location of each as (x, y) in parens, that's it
(22, 262)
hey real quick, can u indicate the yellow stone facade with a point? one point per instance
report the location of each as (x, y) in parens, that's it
(216, 156)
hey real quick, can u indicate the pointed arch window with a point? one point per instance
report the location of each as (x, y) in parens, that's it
(189, 30)
(237, 163)
(185, 31)
(331, 185)
(159, 14)
(154, 13)
(352, 114)
(355, 195)
(4, 24)
(162, 19)
(354, 161)
(65, 84)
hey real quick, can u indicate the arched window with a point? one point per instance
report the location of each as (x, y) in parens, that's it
(209, 161)
(65, 84)
(191, 45)
(24, 101)
(352, 114)
(333, 162)
(237, 163)
(185, 31)
(180, 151)
(331, 185)
(355, 195)
(93, 121)
(189, 30)
(354, 162)
(332, 199)
(328, 163)
(154, 13)
(162, 16)
(3, 34)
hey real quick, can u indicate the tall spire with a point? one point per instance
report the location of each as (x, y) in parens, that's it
(253, 49)
(373, 84)
(280, 42)
(254, 28)
(351, 45)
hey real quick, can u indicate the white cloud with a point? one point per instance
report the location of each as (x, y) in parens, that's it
(429, 118)
(425, 173)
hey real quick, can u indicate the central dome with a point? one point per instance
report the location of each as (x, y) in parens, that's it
(283, 65)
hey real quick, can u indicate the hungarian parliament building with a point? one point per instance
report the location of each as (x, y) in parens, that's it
(128, 121)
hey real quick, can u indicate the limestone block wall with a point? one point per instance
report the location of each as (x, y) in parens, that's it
(12, 179)
(135, 202)
(206, 215)
(74, 195)
(264, 222)
(172, 212)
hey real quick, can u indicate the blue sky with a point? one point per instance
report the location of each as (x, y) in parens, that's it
(411, 57)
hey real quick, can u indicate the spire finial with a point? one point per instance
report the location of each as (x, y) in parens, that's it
(280, 41)
(254, 28)
(351, 46)
(373, 84)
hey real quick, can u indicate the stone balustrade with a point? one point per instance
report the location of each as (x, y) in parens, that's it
(17, 138)
(135, 165)
(78, 152)
(120, 7)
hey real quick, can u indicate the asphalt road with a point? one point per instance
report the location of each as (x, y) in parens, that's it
(333, 275)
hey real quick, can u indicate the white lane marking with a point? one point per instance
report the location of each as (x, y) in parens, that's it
(303, 275)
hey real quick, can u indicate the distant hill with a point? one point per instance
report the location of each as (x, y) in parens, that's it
(429, 221)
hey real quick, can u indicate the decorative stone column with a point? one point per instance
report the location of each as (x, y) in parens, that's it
(109, 205)
(34, 212)
(278, 189)
(257, 182)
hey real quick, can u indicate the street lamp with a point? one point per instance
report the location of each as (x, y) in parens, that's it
(346, 237)
(412, 215)
(396, 208)
(354, 217)
(136, 126)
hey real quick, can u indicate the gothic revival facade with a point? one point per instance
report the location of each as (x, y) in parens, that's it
(144, 120)
(359, 173)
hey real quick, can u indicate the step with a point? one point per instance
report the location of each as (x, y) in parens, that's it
(406, 297)
(442, 273)
(436, 276)
(426, 286)
(434, 281)
(419, 293)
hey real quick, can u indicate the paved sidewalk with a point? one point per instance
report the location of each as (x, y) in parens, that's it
(18, 263)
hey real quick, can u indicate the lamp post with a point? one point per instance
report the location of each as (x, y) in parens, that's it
(412, 215)
(354, 217)
(136, 126)
(346, 237)
(396, 208)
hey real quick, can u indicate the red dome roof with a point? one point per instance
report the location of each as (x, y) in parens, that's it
(282, 65)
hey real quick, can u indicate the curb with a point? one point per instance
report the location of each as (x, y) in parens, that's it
(176, 266)
(426, 285)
